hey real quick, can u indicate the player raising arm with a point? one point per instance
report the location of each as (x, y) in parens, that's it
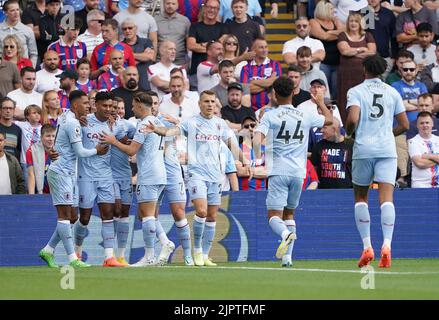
(151, 177)
(371, 106)
(204, 133)
(286, 131)
(62, 176)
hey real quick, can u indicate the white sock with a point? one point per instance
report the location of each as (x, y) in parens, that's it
(121, 252)
(73, 257)
(367, 243)
(49, 249)
(285, 233)
(387, 243)
(149, 253)
(205, 256)
(109, 253)
(198, 250)
(78, 249)
(163, 238)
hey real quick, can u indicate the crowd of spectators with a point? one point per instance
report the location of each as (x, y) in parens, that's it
(220, 45)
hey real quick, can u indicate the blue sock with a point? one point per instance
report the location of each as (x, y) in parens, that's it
(362, 219)
(291, 226)
(107, 232)
(123, 229)
(161, 234)
(149, 231)
(387, 222)
(65, 233)
(198, 231)
(80, 233)
(208, 236)
(278, 226)
(54, 239)
(184, 234)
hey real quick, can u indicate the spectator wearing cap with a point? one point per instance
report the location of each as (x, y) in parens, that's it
(49, 25)
(424, 50)
(226, 70)
(69, 49)
(319, 87)
(26, 94)
(46, 77)
(260, 73)
(92, 37)
(407, 21)
(258, 171)
(13, 25)
(101, 54)
(67, 84)
(234, 112)
(207, 71)
(332, 158)
(308, 71)
(430, 74)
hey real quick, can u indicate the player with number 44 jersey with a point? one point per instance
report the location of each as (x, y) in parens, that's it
(372, 106)
(286, 131)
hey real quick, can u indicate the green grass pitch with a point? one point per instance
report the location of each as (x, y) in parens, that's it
(323, 279)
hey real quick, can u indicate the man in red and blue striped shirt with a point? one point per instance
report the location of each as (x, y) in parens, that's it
(111, 79)
(260, 73)
(68, 48)
(100, 59)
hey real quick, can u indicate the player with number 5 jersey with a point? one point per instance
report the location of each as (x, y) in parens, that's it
(372, 106)
(286, 131)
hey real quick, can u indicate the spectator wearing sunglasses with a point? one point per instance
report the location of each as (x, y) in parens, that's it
(409, 89)
(303, 30)
(424, 50)
(92, 37)
(234, 112)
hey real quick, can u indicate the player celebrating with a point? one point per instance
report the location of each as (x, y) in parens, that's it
(204, 133)
(123, 189)
(372, 105)
(62, 176)
(95, 180)
(175, 191)
(151, 176)
(286, 130)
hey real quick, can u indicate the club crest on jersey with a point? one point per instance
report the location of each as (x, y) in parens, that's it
(78, 131)
(268, 72)
(79, 53)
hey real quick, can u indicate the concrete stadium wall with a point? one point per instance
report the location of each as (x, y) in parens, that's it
(325, 228)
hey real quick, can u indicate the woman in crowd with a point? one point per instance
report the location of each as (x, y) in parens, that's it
(326, 27)
(13, 50)
(51, 108)
(354, 45)
(231, 52)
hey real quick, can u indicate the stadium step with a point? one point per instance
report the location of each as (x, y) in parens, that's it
(278, 31)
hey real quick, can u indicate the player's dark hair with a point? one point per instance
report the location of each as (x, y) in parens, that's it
(225, 64)
(26, 69)
(375, 65)
(103, 96)
(283, 86)
(76, 94)
(143, 98)
(47, 128)
(424, 114)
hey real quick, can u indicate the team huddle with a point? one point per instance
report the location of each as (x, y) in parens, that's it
(91, 164)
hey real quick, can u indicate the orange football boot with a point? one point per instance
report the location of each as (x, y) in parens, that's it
(366, 257)
(112, 262)
(386, 259)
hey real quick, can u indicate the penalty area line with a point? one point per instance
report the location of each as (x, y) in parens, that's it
(309, 270)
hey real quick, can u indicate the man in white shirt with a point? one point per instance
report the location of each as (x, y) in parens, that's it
(46, 78)
(424, 51)
(26, 95)
(424, 152)
(290, 47)
(207, 71)
(180, 104)
(92, 37)
(159, 73)
(343, 7)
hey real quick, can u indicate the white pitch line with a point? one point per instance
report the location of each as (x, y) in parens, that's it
(311, 270)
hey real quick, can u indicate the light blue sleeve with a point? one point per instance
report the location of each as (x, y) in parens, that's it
(184, 127)
(139, 136)
(74, 131)
(81, 152)
(264, 125)
(230, 164)
(399, 104)
(130, 129)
